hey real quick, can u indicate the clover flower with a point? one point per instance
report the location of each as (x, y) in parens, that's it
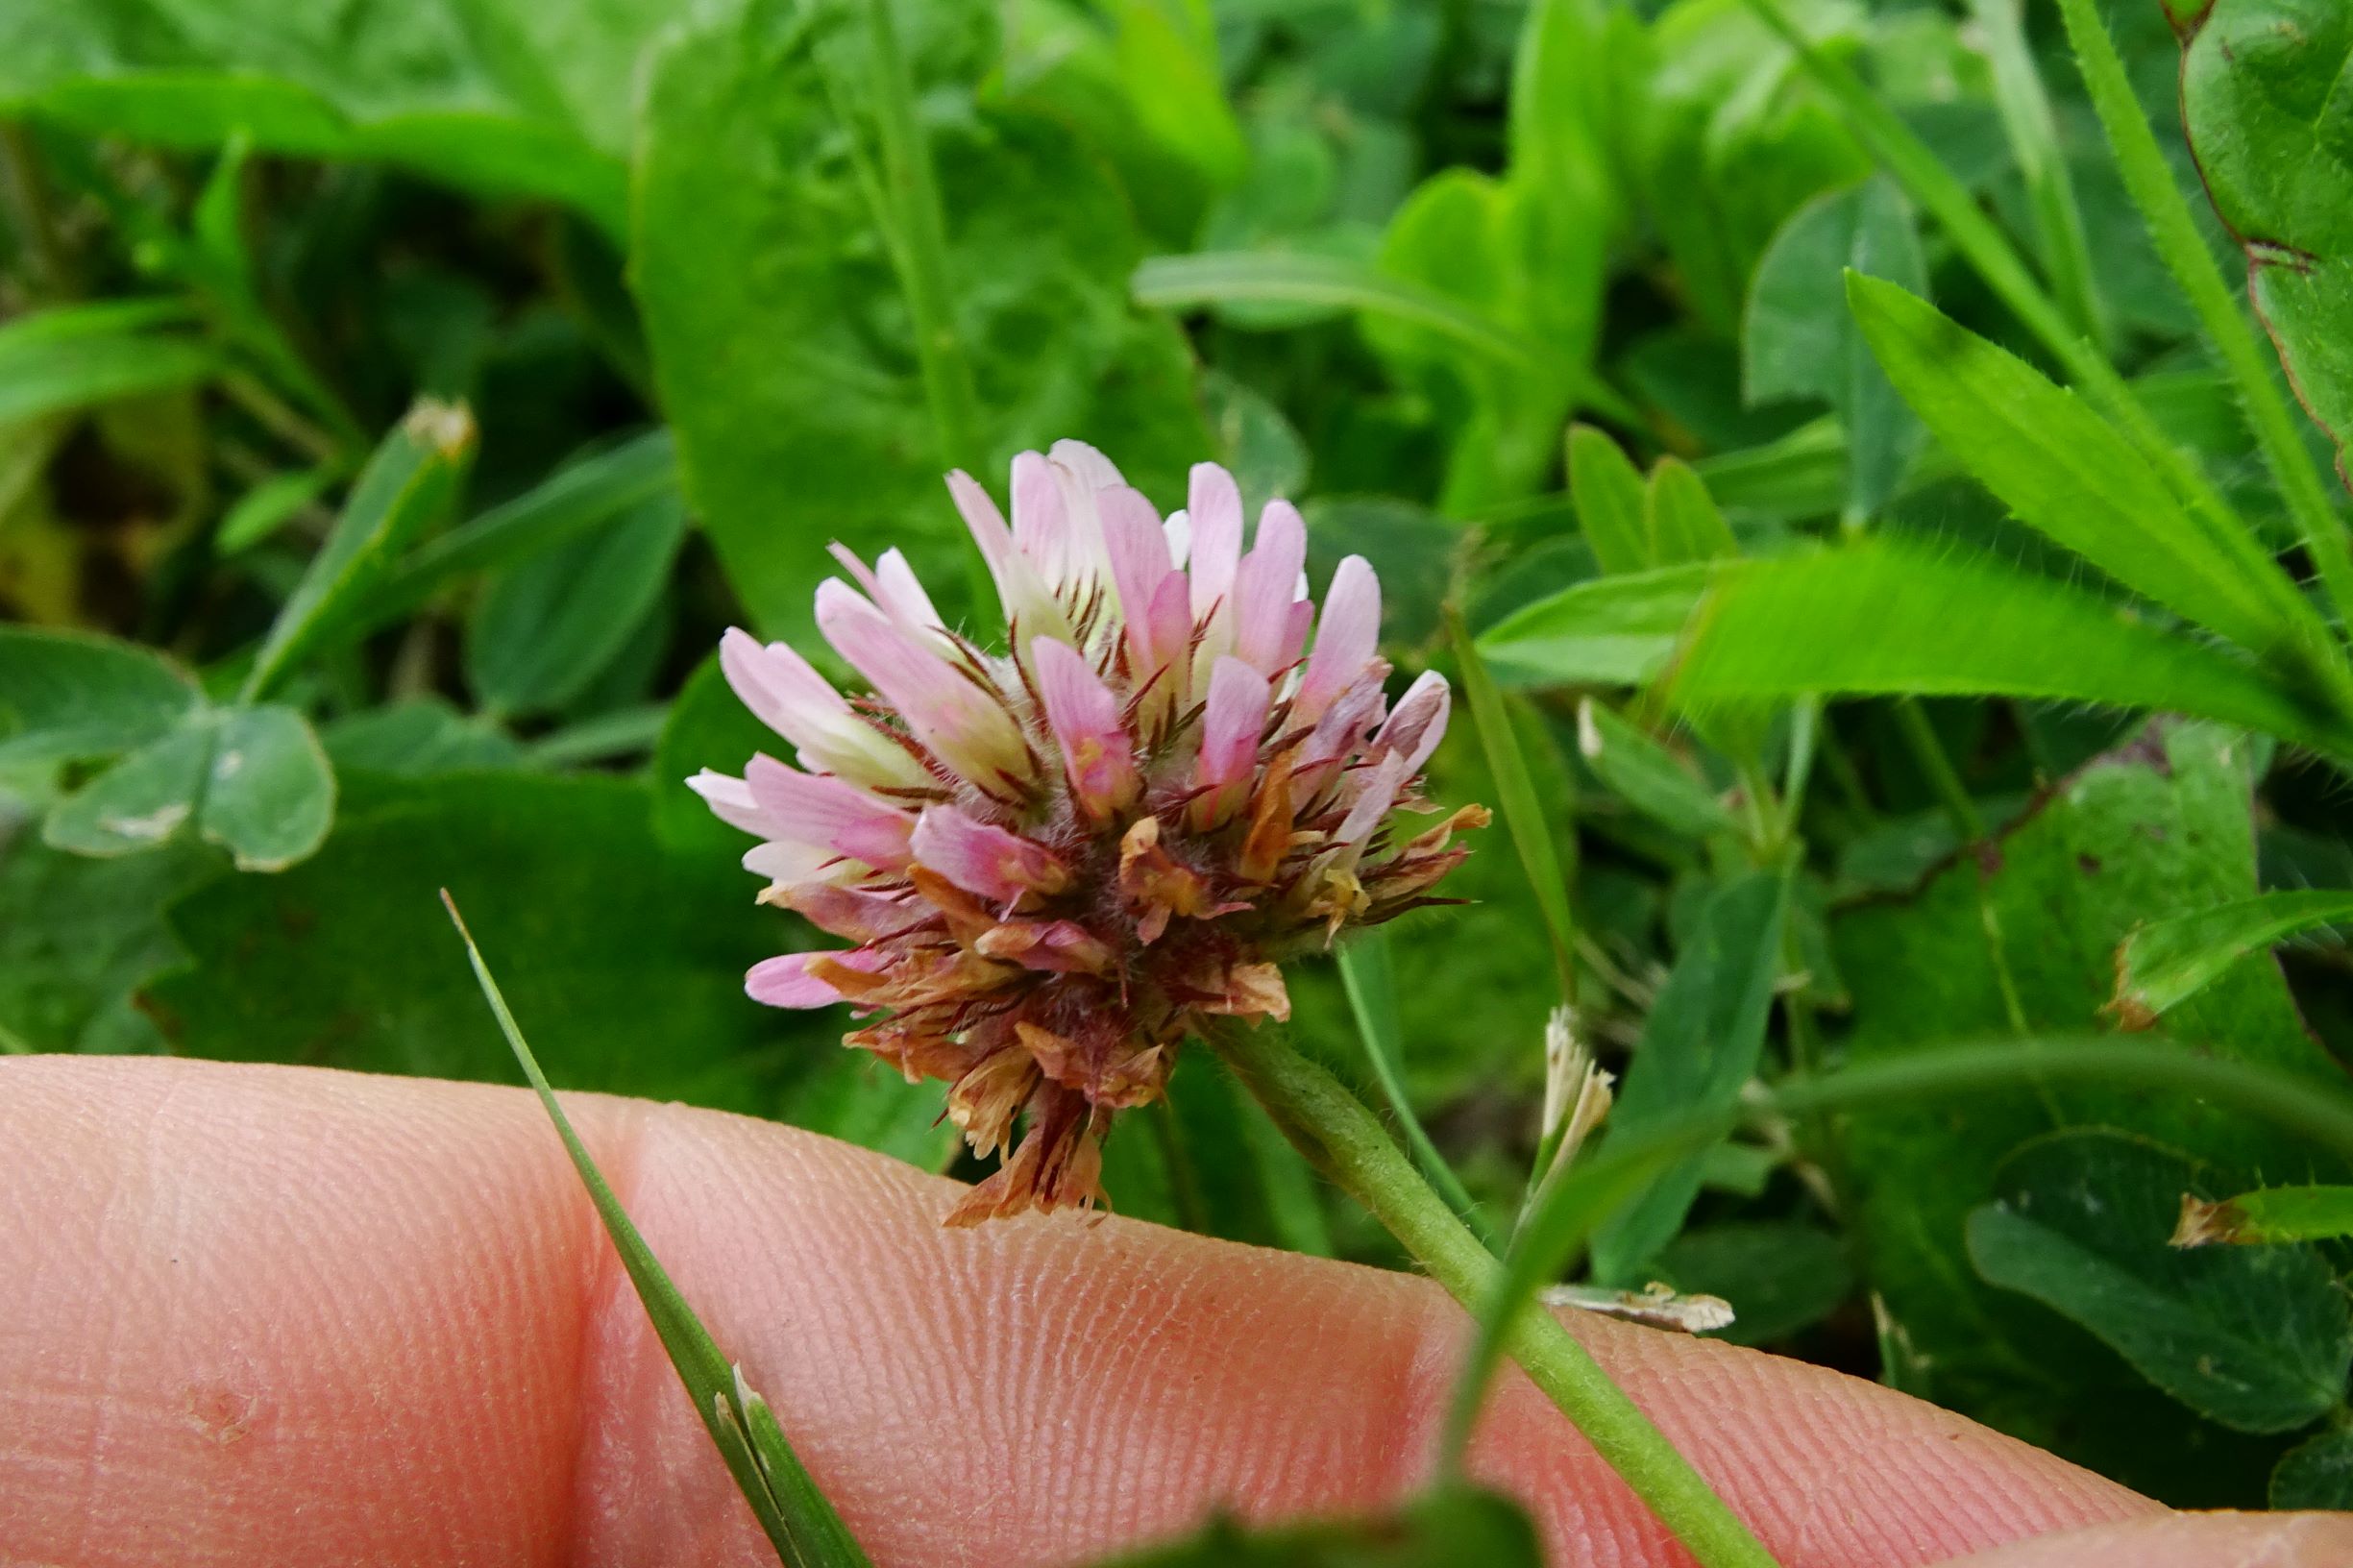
(1052, 863)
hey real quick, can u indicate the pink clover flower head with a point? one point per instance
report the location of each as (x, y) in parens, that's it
(1055, 854)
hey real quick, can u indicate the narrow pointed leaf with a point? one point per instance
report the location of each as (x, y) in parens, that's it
(1646, 775)
(1611, 631)
(2167, 961)
(1683, 522)
(800, 1522)
(2267, 1215)
(1609, 494)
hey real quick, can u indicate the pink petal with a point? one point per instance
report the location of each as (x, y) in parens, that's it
(782, 689)
(1139, 567)
(789, 863)
(984, 859)
(730, 801)
(817, 809)
(1265, 587)
(1094, 470)
(892, 585)
(785, 981)
(1214, 507)
(1020, 589)
(1419, 721)
(1041, 522)
(1379, 795)
(1232, 724)
(1085, 717)
(966, 727)
(848, 912)
(1346, 641)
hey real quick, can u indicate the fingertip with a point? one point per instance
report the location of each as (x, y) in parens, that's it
(2188, 1540)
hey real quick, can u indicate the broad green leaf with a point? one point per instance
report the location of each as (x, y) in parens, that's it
(269, 795)
(776, 303)
(2317, 1473)
(2161, 828)
(1610, 501)
(1646, 775)
(70, 695)
(1683, 522)
(1800, 339)
(637, 957)
(417, 737)
(1438, 1530)
(405, 488)
(575, 498)
(548, 627)
(1613, 631)
(2063, 469)
(76, 355)
(496, 96)
(2259, 1340)
(1780, 1276)
(1701, 1045)
(141, 802)
(2267, 1215)
(1729, 141)
(1178, 282)
(2166, 960)
(1882, 617)
(2263, 97)
(1167, 52)
(794, 1515)
(79, 937)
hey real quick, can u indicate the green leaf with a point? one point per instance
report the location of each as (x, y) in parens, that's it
(775, 297)
(76, 355)
(417, 737)
(547, 628)
(142, 801)
(2267, 1215)
(1179, 282)
(637, 957)
(1881, 617)
(1800, 339)
(1683, 522)
(2258, 1339)
(1613, 631)
(576, 497)
(1701, 1045)
(2263, 97)
(1533, 834)
(79, 937)
(794, 1515)
(70, 695)
(1647, 775)
(1610, 501)
(1780, 1276)
(2064, 469)
(406, 487)
(2316, 1474)
(496, 96)
(2166, 960)
(269, 795)
(1452, 1526)
(2161, 828)
(269, 506)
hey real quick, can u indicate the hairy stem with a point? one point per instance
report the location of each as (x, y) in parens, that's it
(1334, 1129)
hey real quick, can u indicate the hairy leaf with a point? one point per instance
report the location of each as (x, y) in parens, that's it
(2166, 960)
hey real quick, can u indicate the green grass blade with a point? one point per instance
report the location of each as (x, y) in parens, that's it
(1610, 632)
(2033, 134)
(800, 1523)
(1215, 277)
(2149, 181)
(2166, 962)
(1366, 975)
(1885, 618)
(1608, 491)
(1539, 850)
(407, 484)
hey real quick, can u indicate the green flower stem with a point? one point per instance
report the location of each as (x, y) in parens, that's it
(2174, 231)
(1334, 1129)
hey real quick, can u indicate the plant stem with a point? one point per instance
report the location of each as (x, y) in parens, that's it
(2034, 140)
(2149, 180)
(1334, 1129)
